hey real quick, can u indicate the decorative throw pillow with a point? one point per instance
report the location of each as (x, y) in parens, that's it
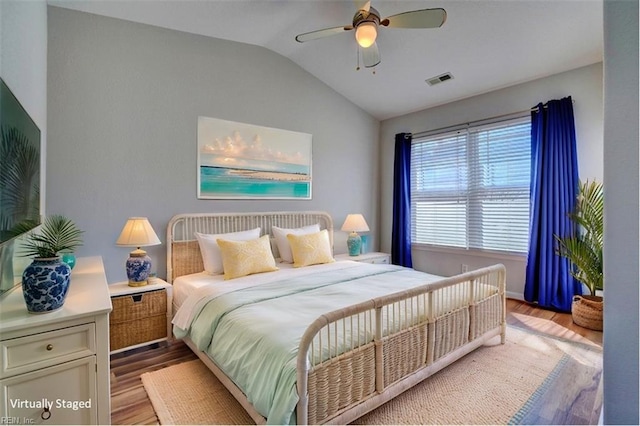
(282, 243)
(241, 258)
(310, 249)
(211, 252)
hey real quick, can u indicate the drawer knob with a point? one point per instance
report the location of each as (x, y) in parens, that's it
(49, 347)
(46, 414)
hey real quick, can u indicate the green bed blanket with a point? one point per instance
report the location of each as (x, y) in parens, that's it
(253, 334)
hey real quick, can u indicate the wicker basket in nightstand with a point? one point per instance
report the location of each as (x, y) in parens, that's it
(139, 316)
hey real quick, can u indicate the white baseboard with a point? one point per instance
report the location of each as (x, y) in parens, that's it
(514, 295)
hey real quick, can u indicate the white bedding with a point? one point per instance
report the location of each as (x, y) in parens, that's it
(251, 326)
(190, 292)
(185, 285)
(254, 323)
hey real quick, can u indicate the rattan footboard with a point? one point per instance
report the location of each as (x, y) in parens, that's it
(427, 332)
(400, 339)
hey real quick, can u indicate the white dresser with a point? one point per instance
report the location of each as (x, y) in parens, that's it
(54, 368)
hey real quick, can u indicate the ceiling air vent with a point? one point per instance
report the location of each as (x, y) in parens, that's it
(439, 79)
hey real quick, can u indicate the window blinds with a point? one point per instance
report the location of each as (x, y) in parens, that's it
(470, 188)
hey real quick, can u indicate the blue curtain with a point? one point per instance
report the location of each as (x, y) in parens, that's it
(401, 231)
(554, 187)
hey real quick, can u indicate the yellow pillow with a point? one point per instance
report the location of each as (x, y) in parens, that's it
(241, 258)
(310, 249)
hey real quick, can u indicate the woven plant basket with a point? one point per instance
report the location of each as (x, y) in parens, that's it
(586, 311)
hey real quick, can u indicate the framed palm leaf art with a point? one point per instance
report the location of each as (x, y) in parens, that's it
(20, 171)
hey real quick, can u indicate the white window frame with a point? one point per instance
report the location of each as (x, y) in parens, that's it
(466, 191)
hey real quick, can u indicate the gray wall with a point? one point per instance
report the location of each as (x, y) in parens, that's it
(123, 105)
(23, 55)
(23, 61)
(23, 66)
(621, 234)
(583, 84)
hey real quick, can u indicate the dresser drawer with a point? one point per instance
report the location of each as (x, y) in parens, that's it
(46, 349)
(138, 305)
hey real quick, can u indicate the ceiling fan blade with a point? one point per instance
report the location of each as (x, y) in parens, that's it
(425, 18)
(371, 56)
(366, 6)
(313, 35)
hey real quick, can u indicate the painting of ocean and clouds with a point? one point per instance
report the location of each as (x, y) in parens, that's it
(243, 161)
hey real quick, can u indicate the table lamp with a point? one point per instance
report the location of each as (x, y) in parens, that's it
(353, 224)
(137, 232)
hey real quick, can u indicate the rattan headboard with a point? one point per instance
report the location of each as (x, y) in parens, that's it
(183, 251)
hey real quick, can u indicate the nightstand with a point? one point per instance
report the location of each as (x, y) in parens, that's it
(141, 315)
(373, 257)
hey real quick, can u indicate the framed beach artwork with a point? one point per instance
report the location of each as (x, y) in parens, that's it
(244, 161)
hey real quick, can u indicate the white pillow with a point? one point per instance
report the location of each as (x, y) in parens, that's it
(280, 234)
(211, 256)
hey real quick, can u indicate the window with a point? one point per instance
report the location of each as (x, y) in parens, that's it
(470, 187)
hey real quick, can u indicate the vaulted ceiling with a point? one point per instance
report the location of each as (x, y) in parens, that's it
(484, 44)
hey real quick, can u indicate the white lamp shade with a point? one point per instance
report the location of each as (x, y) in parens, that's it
(366, 34)
(137, 232)
(355, 223)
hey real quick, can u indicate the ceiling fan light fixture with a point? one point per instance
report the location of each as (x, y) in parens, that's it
(366, 34)
(365, 24)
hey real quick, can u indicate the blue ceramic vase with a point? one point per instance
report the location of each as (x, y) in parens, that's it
(45, 283)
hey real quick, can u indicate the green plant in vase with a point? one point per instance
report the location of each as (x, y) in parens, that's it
(45, 282)
(584, 248)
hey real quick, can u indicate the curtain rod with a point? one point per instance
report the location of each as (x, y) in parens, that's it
(465, 125)
(516, 114)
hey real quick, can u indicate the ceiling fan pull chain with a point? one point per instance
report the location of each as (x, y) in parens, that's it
(358, 57)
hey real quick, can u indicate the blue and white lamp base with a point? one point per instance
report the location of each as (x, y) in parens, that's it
(354, 243)
(138, 268)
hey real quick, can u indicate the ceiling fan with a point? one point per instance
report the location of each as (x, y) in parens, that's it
(366, 22)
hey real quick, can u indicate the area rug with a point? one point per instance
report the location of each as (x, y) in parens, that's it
(532, 379)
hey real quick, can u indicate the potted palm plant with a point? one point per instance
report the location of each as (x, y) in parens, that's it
(45, 282)
(583, 248)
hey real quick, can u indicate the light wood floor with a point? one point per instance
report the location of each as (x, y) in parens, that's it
(130, 404)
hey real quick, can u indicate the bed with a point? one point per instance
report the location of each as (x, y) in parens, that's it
(350, 336)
